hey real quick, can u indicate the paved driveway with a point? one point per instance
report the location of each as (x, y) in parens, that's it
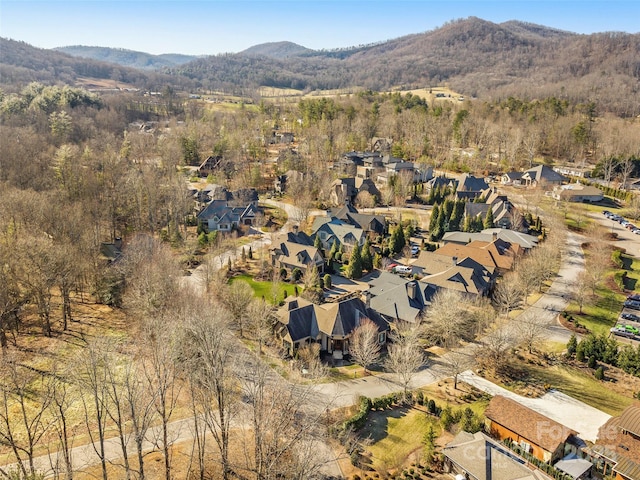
(562, 408)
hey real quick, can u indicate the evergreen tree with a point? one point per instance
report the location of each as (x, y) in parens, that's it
(468, 224)
(317, 243)
(456, 215)
(396, 242)
(250, 253)
(488, 219)
(434, 218)
(243, 255)
(442, 223)
(572, 344)
(365, 255)
(447, 206)
(377, 260)
(354, 269)
(333, 251)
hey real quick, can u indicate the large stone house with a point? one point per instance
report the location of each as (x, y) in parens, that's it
(330, 324)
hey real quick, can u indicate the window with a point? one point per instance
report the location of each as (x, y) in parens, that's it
(525, 446)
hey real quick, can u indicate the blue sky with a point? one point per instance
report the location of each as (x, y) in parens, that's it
(214, 26)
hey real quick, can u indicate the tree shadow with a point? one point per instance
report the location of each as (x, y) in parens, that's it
(377, 427)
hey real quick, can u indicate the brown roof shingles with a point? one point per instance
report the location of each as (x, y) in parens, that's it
(529, 424)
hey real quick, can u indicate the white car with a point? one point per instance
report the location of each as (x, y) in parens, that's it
(403, 269)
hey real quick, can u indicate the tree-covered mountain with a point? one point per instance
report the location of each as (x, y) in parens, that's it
(472, 56)
(277, 50)
(21, 63)
(128, 58)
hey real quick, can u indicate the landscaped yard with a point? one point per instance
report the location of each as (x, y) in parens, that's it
(610, 397)
(396, 434)
(264, 289)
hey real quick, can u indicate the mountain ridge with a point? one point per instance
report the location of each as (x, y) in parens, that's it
(475, 57)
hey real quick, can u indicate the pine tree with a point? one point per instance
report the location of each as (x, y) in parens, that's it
(434, 218)
(442, 223)
(468, 224)
(377, 260)
(317, 242)
(243, 255)
(488, 219)
(365, 255)
(250, 253)
(333, 251)
(572, 344)
(354, 269)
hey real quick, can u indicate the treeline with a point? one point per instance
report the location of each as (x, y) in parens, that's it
(602, 348)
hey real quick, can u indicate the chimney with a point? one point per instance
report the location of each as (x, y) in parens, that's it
(454, 260)
(495, 236)
(411, 290)
(295, 228)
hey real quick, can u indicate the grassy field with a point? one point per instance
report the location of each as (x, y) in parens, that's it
(576, 383)
(264, 289)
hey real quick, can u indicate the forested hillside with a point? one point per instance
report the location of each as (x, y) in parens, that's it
(473, 56)
(127, 58)
(21, 63)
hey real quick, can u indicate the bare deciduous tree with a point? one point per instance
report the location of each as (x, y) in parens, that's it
(405, 354)
(236, 299)
(529, 329)
(285, 435)
(23, 421)
(507, 294)
(494, 348)
(209, 358)
(457, 362)
(447, 321)
(159, 370)
(581, 288)
(364, 346)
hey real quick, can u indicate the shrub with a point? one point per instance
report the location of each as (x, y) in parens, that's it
(296, 274)
(431, 407)
(592, 362)
(616, 258)
(599, 373)
(327, 281)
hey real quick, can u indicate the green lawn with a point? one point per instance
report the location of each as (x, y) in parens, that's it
(600, 314)
(577, 384)
(264, 289)
(395, 435)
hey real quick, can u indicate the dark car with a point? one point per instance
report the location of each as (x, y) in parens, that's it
(632, 304)
(635, 297)
(630, 316)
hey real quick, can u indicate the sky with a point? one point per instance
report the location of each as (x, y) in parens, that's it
(209, 27)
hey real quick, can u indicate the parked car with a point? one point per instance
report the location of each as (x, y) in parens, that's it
(632, 329)
(606, 213)
(632, 304)
(415, 250)
(634, 296)
(630, 316)
(406, 269)
(621, 331)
